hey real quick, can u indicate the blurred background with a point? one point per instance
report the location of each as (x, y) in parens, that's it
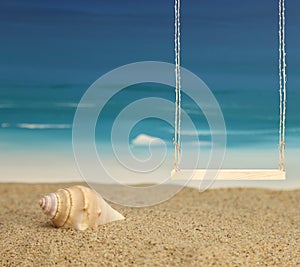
(52, 51)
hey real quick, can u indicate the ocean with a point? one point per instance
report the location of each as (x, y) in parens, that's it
(52, 51)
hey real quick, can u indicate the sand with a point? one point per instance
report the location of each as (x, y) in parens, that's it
(221, 227)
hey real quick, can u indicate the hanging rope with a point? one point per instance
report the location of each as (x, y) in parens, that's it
(282, 84)
(177, 144)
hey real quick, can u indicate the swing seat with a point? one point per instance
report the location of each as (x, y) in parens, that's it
(229, 174)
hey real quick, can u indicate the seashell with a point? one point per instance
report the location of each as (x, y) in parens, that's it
(78, 207)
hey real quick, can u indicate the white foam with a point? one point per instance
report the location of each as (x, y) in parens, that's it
(33, 126)
(75, 105)
(146, 140)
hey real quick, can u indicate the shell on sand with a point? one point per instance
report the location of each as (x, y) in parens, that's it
(78, 207)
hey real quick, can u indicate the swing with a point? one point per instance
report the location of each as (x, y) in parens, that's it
(232, 174)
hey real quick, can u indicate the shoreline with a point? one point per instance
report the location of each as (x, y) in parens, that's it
(46, 166)
(188, 186)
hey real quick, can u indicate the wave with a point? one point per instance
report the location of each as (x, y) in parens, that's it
(74, 105)
(47, 105)
(4, 106)
(146, 140)
(36, 126)
(238, 132)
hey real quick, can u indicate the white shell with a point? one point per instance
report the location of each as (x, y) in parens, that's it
(78, 207)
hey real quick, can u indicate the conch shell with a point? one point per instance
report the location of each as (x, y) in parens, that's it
(78, 207)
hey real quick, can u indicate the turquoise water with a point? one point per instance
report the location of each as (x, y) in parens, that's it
(251, 116)
(52, 51)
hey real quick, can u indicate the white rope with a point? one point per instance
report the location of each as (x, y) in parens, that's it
(282, 83)
(280, 66)
(178, 87)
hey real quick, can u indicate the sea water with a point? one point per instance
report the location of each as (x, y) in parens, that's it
(51, 53)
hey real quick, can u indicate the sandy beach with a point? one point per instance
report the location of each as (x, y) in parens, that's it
(220, 227)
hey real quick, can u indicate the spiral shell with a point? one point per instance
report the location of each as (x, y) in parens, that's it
(78, 207)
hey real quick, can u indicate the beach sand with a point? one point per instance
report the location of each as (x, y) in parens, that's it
(220, 227)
